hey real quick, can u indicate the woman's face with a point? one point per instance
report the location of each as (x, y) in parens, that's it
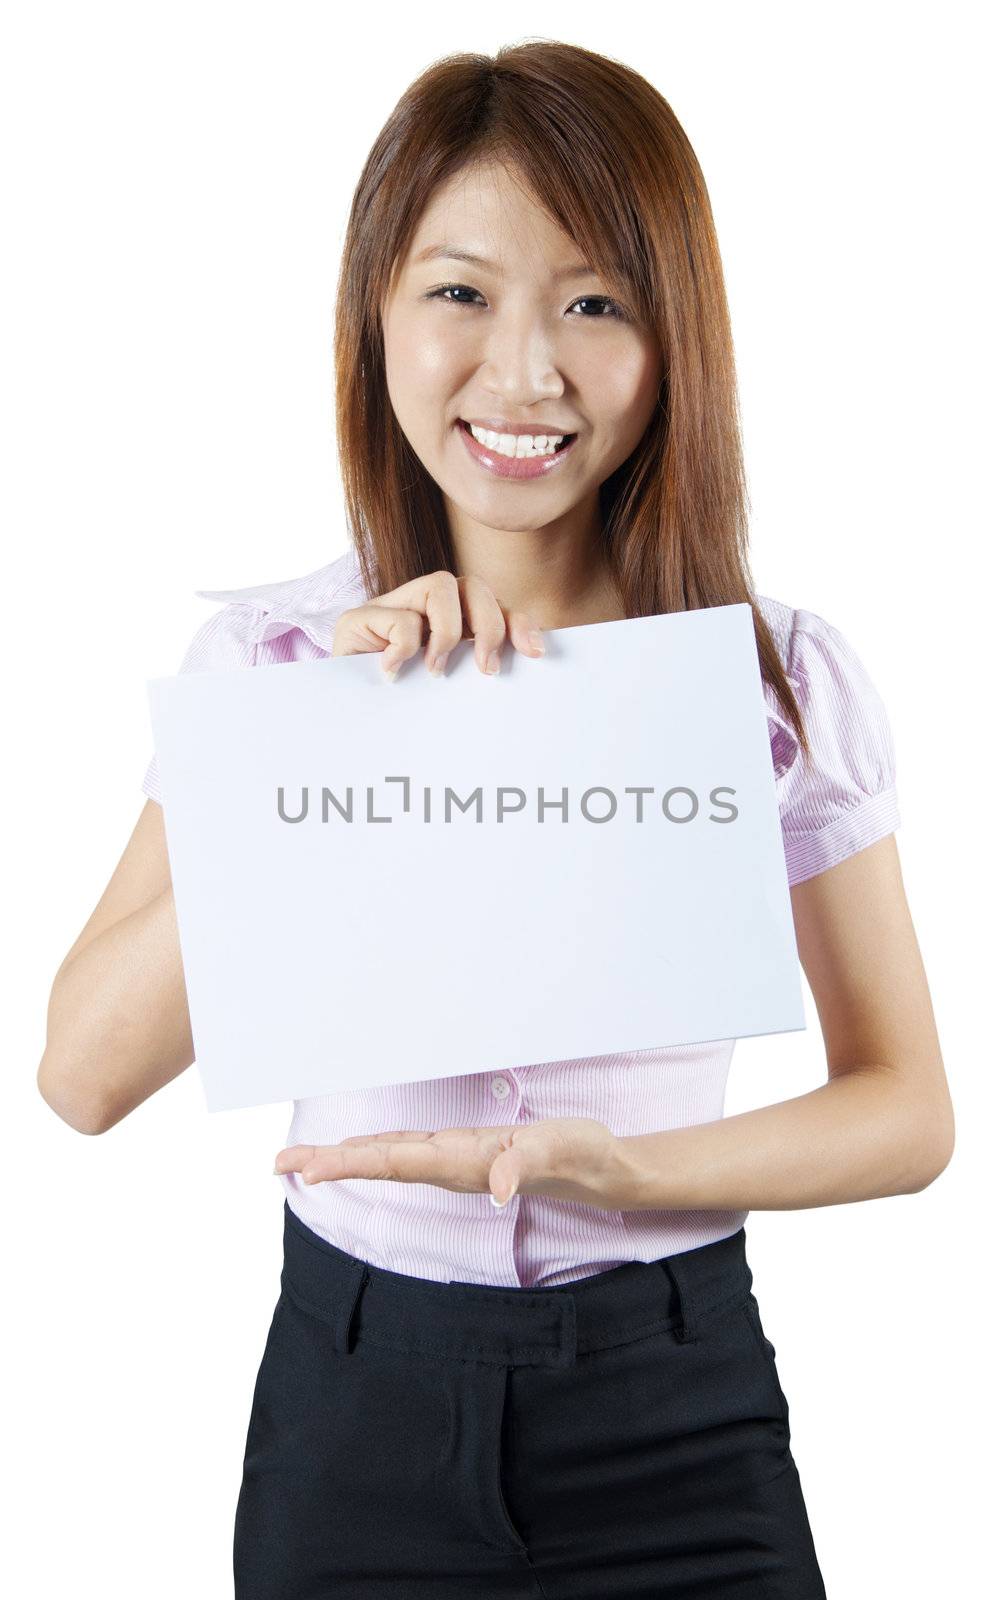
(523, 342)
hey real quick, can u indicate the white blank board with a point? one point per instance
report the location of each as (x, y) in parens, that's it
(478, 932)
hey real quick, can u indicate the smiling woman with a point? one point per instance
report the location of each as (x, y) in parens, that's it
(516, 1348)
(548, 177)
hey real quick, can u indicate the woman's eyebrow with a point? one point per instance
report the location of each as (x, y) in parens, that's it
(450, 252)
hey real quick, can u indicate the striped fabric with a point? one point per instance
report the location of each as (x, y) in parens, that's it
(841, 804)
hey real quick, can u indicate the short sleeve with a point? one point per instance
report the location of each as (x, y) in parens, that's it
(221, 642)
(844, 799)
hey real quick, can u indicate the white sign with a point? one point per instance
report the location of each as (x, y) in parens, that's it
(379, 883)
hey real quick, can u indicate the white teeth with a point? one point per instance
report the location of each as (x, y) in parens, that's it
(520, 445)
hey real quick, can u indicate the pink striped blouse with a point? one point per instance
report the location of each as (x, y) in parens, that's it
(845, 803)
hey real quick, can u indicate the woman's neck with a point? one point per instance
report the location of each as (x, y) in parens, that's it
(557, 575)
(603, 604)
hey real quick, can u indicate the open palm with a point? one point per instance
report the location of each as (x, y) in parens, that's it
(571, 1158)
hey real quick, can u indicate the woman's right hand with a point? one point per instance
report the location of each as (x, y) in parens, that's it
(443, 609)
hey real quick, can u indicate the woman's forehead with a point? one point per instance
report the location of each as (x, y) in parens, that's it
(487, 211)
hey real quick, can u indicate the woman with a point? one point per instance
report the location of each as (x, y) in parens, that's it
(516, 1348)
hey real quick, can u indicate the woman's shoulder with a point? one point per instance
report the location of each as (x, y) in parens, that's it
(310, 602)
(287, 619)
(818, 657)
(845, 797)
(792, 626)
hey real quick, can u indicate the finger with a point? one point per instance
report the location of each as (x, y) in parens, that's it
(427, 594)
(368, 1138)
(444, 618)
(436, 595)
(524, 634)
(529, 1156)
(394, 630)
(505, 1176)
(293, 1158)
(486, 622)
(401, 1161)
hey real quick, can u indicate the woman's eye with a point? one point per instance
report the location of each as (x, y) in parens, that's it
(448, 292)
(448, 289)
(600, 300)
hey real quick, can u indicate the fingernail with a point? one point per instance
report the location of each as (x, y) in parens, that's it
(438, 665)
(493, 662)
(495, 1202)
(536, 640)
(388, 673)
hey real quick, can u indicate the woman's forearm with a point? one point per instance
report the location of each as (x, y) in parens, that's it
(860, 1136)
(118, 1021)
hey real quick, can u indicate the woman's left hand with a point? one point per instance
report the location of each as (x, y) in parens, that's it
(570, 1158)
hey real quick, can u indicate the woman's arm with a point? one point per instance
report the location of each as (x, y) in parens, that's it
(118, 1020)
(883, 1124)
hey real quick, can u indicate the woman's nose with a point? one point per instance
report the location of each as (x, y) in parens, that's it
(520, 363)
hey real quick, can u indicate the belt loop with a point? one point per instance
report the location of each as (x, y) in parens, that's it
(336, 1305)
(569, 1337)
(684, 1332)
(355, 1283)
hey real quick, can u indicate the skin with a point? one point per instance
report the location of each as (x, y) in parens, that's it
(526, 553)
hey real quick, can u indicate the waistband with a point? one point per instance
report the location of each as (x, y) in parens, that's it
(507, 1326)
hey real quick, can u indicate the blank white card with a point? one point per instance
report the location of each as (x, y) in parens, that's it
(378, 883)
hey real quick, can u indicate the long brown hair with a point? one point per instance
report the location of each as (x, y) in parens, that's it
(605, 155)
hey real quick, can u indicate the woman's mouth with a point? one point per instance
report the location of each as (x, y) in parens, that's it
(518, 456)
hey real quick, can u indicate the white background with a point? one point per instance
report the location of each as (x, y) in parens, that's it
(176, 184)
